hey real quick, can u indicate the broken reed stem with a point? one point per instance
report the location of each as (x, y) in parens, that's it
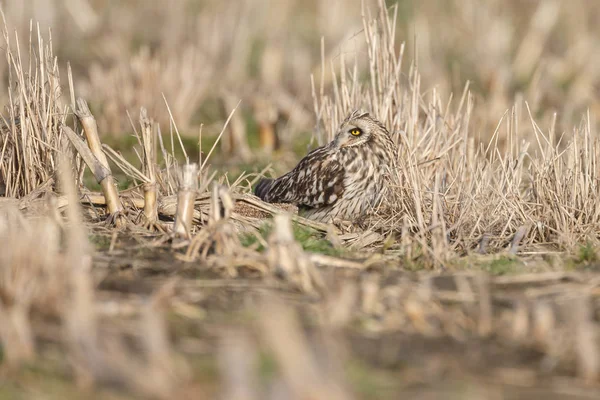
(100, 171)
(188, 187)
(90, 128)
(149, 162)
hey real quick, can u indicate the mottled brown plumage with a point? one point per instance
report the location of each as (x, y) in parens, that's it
(340, 181)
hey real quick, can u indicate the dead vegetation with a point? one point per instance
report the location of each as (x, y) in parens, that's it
(150, 290)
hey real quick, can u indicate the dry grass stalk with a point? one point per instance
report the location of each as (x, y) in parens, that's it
(237, 362)
(521, 324)
(586, 339)
(303, 375)
(109, 188)
(79, 317)
(138, 80)
(341, 304)
(164, 182)
(287, 260)
(99, 171)
(188, 188)
(485, 323)
(149, 168)
(236, 142)
(29, 280)
(160, 372)
(248, 212)
(219, 238)
(149, 174)
(195, 52)
(544, 325)
(30, 134)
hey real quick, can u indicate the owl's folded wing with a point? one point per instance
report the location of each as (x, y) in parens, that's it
(317, 181)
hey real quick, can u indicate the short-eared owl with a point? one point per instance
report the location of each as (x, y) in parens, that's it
(342, 180)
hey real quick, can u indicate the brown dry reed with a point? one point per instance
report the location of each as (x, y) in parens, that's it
(452, 190)
(30, 134)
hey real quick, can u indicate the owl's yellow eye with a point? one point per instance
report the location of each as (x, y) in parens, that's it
(355, 132)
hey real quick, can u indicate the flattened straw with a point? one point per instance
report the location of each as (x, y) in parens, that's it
(185, 200)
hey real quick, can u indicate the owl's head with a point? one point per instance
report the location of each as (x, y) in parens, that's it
(358, 129)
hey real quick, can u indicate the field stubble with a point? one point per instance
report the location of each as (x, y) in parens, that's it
(479, 281)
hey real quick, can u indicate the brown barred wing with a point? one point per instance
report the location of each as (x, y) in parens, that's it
(317, 181)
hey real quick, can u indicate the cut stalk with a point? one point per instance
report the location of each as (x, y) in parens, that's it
(188, 187)
(106, 180)
(287, 259)
(148, 168)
